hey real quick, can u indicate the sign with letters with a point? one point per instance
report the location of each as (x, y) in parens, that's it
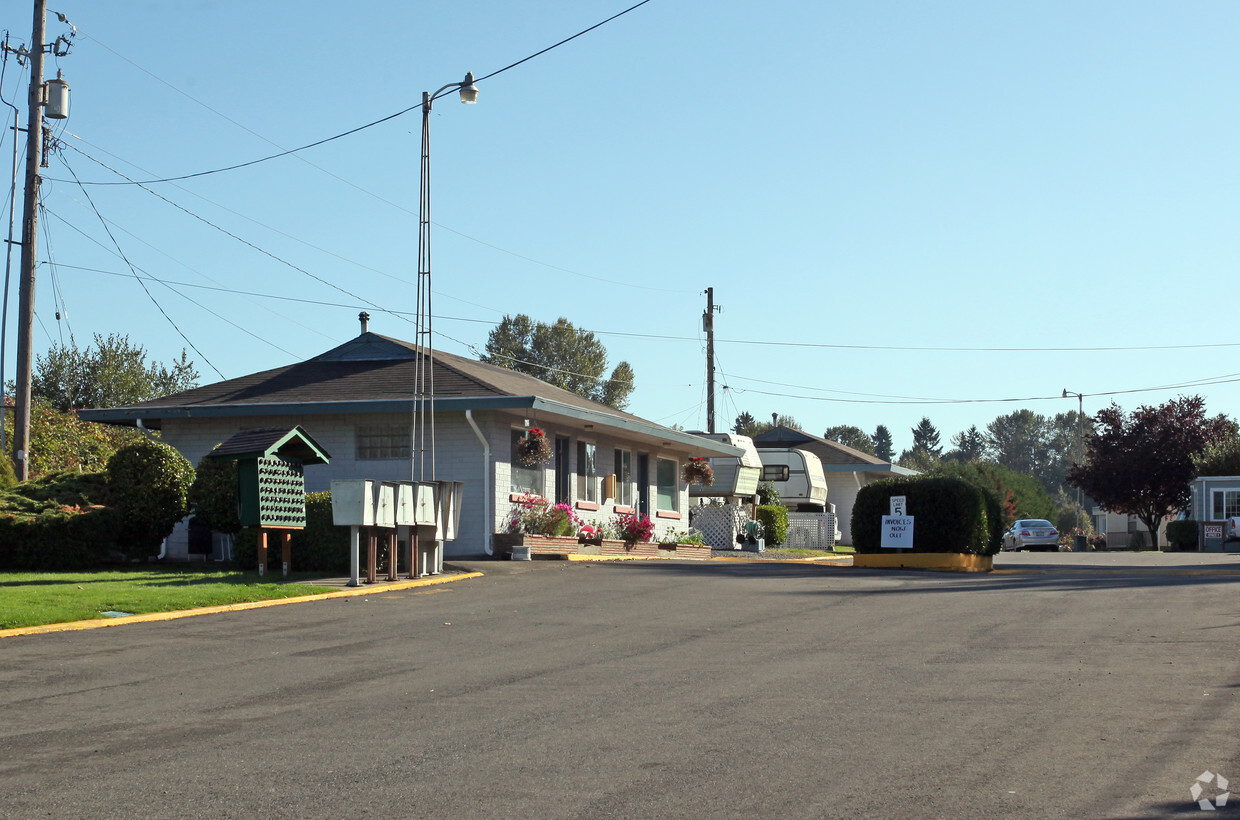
(897, 532)
(1213, 530)
(898, 505)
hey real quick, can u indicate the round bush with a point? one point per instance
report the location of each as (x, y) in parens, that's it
(150, 483)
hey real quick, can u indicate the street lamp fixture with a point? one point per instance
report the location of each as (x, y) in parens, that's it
(422, 451)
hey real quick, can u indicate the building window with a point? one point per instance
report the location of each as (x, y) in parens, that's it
(669, 485)
(523, 479)
(1226, 504)
(377, 441)
(624, 478)
(587, 472)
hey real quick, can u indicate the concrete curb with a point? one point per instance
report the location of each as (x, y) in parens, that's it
(74, 626)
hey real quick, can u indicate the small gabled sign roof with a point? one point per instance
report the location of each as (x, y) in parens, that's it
(283, 442)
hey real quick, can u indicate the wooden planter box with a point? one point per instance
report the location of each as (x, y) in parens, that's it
(503, 543)
(652, 549)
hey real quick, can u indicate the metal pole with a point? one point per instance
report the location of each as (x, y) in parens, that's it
(25, 302)
(8, 270)
(708, 324)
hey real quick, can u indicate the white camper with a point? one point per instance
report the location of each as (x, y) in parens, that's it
(735, 478)
(798, 475)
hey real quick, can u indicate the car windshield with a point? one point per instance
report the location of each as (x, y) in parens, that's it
(1036, 522)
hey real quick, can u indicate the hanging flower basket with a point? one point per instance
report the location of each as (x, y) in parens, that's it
(698, 471)
(533, 450)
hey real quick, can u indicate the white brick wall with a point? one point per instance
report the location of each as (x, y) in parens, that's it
(458, 457)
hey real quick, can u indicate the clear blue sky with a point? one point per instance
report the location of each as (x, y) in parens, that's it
(968, 202)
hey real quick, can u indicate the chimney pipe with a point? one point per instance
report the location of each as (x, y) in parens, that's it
(364, 318)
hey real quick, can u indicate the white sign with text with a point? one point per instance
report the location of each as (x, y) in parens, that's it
(897, 532)
(897, 505)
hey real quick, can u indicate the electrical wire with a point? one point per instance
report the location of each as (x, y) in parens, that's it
(139, 278)
(352, 131)
(245, 242)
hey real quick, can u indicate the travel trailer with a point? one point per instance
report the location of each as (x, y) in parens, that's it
(798, 475)
(735, 478)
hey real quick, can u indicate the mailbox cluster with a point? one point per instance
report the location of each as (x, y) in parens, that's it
(430, 509)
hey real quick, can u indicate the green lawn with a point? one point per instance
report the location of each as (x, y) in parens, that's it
(800, 552)
(37, 598)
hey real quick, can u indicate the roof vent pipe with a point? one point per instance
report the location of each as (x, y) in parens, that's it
(364, 318)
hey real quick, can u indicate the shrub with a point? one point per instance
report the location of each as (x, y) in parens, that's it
(149, 483)
(1136, 540)
(774, 520)
(768, 494)
(213, 495)
(1182, 534)
(633, 527)
(57, 523)
(950, 515)
(8, 478)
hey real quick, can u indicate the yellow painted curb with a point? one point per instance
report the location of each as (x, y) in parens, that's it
(951, 561)
(74, 626)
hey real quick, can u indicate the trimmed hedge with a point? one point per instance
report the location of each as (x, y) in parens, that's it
(950, 515)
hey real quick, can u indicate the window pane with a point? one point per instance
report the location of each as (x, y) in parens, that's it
(523, 479)
(669, 485)
(377, 441)
(624, 478)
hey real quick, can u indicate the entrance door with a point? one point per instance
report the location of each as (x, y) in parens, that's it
(643, 483)
(562, 476)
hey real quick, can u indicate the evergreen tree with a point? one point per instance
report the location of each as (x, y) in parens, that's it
(883, 447)
(926, 437)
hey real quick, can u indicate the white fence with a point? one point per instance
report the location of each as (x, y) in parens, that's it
(811, 531)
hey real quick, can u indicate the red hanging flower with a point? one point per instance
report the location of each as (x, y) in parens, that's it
(533, 450)
(697, 470)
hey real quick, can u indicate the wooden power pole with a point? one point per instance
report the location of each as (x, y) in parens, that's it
(25, 301)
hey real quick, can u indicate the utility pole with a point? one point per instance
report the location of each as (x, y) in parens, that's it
(708, 325)
(25, 301)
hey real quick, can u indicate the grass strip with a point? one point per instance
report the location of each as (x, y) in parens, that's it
(38, 598)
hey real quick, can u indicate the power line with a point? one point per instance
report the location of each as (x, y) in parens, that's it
(139, 278)
(352, 131)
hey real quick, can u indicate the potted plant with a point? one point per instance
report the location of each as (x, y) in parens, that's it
(697, 470)
(533, 450)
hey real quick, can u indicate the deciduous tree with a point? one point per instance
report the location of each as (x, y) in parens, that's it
(850, 436)
(562, 355)
(113, 373)
(1142, 463)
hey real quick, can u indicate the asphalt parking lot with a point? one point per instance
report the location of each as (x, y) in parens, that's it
(1062, 685)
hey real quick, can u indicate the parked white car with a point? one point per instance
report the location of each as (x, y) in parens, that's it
(1031, 534)
(1231, 530)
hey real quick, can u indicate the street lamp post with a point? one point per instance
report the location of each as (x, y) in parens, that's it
(1080, 421)
(424, 379)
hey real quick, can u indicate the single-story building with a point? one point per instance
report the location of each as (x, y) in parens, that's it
(357, 402)
(1216, 498)
(847, 470)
